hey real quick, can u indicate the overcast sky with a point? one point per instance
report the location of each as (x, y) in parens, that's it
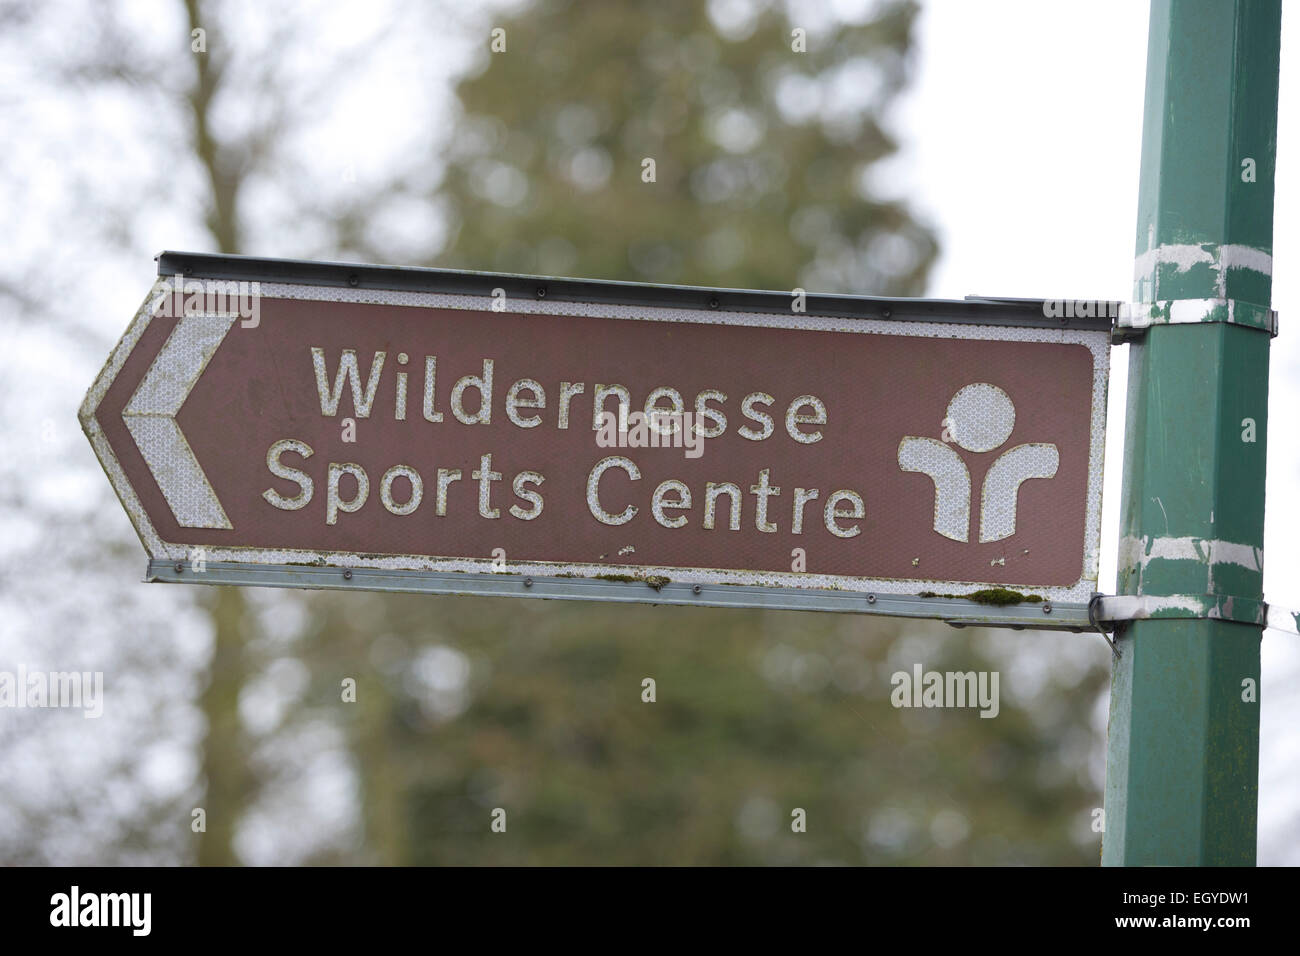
(1023, 135)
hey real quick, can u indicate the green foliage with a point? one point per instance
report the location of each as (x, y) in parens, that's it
(760, 152)
(535, 707)
(756, 714)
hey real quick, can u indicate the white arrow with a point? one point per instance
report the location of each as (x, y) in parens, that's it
(151, 418)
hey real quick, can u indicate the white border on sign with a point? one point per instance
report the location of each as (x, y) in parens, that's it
(1096, 341)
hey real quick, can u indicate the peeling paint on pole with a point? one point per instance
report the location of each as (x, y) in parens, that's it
(1182, 762)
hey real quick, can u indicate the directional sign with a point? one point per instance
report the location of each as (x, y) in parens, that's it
(332, 425)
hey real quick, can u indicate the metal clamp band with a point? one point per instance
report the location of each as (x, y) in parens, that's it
(1134, 319)
(1110, 610)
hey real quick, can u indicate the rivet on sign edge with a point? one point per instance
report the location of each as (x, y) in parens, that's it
(353, 280)
(541, 292)
(885, 313)
(696, 590)
(347, 574)
(871, 599)
(180, 566)
(713, 303)
(1047, 609)
(528, 582)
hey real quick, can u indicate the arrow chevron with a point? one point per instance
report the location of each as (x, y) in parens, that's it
(150, 416)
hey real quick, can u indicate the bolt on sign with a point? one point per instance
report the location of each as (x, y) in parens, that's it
(302, 424)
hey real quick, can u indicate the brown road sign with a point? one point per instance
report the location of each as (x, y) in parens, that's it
(331, 423)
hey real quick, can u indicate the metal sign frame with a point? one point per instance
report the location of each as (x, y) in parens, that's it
(1014, 319)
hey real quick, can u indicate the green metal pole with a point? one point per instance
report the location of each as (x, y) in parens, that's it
(1182, 765)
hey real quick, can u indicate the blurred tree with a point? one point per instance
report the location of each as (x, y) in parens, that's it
(760, 153)
(536, 708)
(141, 130)
(767, 174)
(227, 777)
(761, 162)
(231, 156)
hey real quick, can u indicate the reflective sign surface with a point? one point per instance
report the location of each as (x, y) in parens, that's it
(277, 423)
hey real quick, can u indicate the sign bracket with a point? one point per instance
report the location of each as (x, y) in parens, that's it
(1133, 320)
(955, 611)
(1114, 610)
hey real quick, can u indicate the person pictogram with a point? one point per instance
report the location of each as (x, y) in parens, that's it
(979, 420)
